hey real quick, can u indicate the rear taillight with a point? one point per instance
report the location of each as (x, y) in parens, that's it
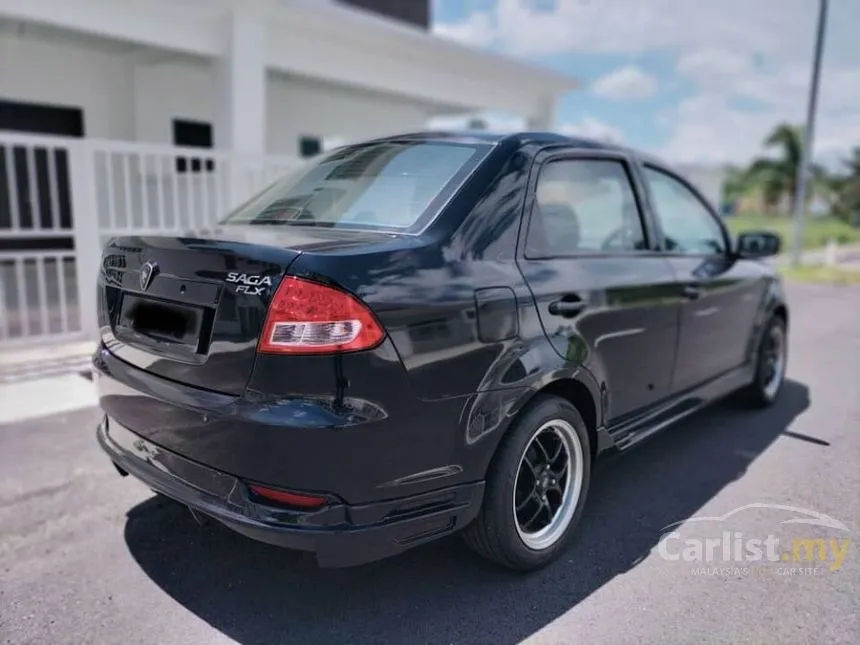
(306, 317)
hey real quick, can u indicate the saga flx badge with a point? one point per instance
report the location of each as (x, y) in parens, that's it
(252, 285)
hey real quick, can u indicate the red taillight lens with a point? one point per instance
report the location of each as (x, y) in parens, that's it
(287, 498)
(306, 317)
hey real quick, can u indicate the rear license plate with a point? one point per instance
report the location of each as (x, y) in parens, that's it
(161, 321)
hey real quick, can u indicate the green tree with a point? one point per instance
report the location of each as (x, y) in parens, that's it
(846, 187)
(776, 175)
(853, 163)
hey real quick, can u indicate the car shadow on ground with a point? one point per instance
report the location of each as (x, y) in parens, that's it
(255, 593)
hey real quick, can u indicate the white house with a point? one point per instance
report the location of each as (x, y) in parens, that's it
(157, 115)
(265, 73)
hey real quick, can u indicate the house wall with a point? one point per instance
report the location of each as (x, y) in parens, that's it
(299, 106)
(174, 89)
(134, 94)
(295, 107)
(94, 79)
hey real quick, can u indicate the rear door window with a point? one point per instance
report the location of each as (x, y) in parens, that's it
(584, 206)
(391, 185)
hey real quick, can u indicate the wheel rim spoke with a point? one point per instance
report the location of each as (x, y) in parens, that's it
(540, 507)
(532, 468)
(558, 453)
(548, 484)
(539, 446)
(528, 498)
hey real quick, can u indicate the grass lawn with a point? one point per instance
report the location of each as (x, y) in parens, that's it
(816, 231)
(820, 274)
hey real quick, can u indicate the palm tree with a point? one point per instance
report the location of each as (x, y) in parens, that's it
(777, 175)
(847, 189)
(852, 164)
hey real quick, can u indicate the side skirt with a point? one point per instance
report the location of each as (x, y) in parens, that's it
(630, 432)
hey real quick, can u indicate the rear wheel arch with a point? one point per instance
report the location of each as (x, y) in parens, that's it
(582, 397)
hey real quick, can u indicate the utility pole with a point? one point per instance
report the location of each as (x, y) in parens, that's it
(808, 138)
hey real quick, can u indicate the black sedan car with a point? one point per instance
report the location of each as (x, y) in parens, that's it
(429, 333)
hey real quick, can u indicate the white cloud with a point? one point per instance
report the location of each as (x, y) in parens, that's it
(714, 126)
(712, 65)
(625, 83)
(593, 128)
(477, 30)
(767, 27)
(708, 129)
(747, 60)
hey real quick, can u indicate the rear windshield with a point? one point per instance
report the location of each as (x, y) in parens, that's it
(391, 185)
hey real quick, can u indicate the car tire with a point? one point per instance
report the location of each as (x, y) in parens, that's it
(519, 484)
(770, 367)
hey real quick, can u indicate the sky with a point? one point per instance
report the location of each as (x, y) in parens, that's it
(695, 81)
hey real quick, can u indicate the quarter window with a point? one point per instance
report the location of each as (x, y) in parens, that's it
(688, 225)
(584, 206)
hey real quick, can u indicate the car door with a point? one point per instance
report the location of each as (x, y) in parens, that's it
(605, 298)
(721, 294)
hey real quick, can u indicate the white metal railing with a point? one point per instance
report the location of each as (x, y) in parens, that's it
(165, 189)
(34, 187)
(39, 292)
(62, 199)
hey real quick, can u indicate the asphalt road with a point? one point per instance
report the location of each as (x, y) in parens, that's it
(89, 557)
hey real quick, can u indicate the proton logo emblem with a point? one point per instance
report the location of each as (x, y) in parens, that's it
(147, 273)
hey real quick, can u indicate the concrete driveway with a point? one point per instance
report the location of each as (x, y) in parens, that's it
(86, 556)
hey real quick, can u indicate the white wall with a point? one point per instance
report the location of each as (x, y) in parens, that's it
(303, 107)
(133, 94)
(295, 107)
(175, 89)
(70, 74)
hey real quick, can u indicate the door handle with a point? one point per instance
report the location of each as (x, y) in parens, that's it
(691, 292)
(566, 308)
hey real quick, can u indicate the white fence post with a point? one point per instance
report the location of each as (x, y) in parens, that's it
(85, 219)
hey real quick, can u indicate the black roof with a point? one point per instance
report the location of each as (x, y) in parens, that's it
(541, 138)
(472, 136)
(521, 138)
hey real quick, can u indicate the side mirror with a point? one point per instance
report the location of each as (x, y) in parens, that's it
(757, 244)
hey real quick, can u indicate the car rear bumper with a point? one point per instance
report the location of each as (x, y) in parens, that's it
(362, 441)
(338, 534)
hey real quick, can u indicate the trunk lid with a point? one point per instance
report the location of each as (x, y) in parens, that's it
(192, 309)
